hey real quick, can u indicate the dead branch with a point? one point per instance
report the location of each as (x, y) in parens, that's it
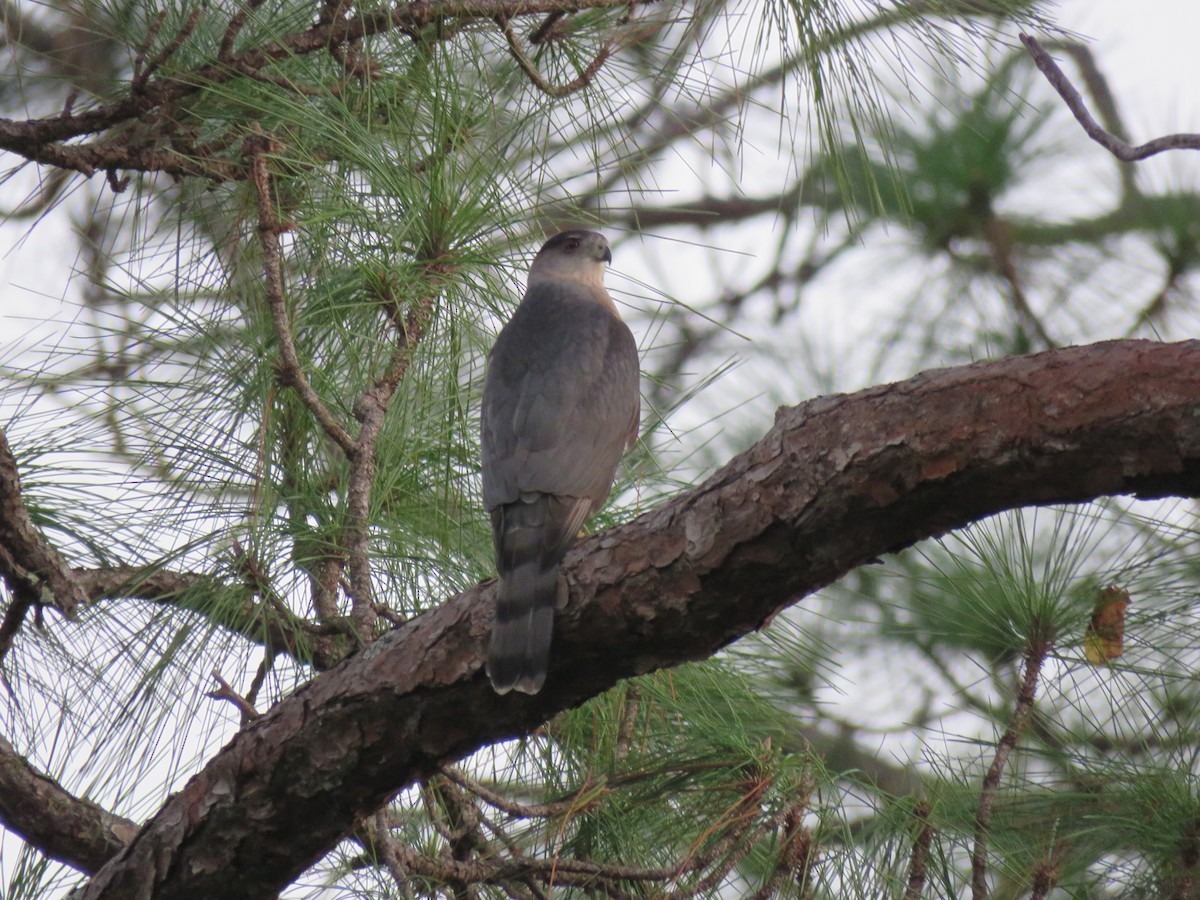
(225, 692)
(1110, 142)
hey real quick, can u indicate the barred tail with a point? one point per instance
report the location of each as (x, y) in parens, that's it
(520, 648)
(531, 536)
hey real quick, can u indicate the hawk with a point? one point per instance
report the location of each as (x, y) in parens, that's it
(560, 408)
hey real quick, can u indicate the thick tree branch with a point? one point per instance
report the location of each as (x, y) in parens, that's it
(29, 565)
(836, 482)
(35, 806)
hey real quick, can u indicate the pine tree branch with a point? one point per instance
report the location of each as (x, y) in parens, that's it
(370, 409)
(1035, 656)
(228, 606)
(836, 483)
(36, 807)
(557, 91)
(1109, 141)
(291, 373)
(918, 861)
(42, 140)
(29, 565)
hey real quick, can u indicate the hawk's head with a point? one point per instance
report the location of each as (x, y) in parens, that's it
(572, 255)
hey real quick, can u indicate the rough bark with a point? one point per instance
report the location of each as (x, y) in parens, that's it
(29, 565)
(836, 483)
(35, 806)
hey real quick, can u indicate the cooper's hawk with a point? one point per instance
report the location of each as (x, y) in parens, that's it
(560, 407)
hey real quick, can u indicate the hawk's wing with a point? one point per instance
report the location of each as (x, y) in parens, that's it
(561, 401)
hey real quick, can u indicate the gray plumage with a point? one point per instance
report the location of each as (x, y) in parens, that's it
(560, 407)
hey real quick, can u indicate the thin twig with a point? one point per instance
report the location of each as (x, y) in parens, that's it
(189, 25)
(326, 577)
(268, 232)
(353, 63)
(1035, 655)
(510, 806)
(1177, 267)
(464, 818)
(225, 692)
(918, 861)
(385, 844)
(277, 612)
(139, 60)
(260, 677)
(730, 848)
(236, 23)
(633, 698)
(324, 569)
(1000, 242)
(539, 80)
(279, 81)
(546, 30)
(48, 192)
(719, 858)
(435, 813)
(504, 872)
(1104, 101)
(1110, 142)
(370, 409)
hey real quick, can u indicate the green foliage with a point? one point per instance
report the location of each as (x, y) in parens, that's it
(410, 177)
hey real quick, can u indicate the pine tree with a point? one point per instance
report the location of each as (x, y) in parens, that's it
(259, 251)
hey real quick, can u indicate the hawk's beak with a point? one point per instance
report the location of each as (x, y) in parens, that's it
(607, 257)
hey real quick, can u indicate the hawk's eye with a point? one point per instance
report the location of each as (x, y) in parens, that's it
(572, 243)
